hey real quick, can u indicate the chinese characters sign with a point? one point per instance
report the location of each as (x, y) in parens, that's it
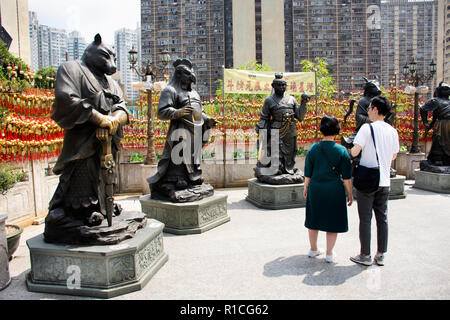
(258, 82)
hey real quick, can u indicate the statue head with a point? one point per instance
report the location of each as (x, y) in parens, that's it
(371, 88)
(99, 57)
(279, 84)
(442, 91)
(184, 75)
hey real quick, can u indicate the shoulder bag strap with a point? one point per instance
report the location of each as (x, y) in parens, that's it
(329, 162)
(374, 144)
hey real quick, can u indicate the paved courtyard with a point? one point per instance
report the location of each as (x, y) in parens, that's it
(262, 254)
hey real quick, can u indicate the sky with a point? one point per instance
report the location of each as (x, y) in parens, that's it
(88, 16)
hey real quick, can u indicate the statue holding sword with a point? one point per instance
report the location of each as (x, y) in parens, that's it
(89, 105)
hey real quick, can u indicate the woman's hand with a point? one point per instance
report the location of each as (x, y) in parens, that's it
(305, 192)
(350, 199)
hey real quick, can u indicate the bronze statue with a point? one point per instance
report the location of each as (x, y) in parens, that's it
(179, 175)
(438, 159)
(89, 105)
(278, 117)
(371, 90)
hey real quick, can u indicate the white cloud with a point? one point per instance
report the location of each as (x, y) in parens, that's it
(88, 16)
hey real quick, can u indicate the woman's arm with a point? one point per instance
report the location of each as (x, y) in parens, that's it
(349, 188)
(305, 191)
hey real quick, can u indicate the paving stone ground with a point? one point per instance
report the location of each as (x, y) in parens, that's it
(262, 254)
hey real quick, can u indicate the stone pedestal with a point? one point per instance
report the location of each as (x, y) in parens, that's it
(97, 271)
(189, 217)
(407, 163)
(397, 188)
(5, 278)
(436, 182)
(275, 197)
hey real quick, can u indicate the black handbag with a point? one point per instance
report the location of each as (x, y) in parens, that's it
(367, 179)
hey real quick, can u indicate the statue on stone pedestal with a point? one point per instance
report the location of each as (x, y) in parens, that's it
(278, 116)
(179, 175)
(89, 105)
(438, 160)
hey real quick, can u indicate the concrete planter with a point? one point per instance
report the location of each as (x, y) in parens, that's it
(5, 278)
(406, 163)
(436, 182)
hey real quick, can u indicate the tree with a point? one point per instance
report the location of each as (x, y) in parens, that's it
(325, 81)
(15, 74)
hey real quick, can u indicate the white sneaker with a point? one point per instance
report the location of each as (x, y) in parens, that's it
(331, 258)
(317, 253)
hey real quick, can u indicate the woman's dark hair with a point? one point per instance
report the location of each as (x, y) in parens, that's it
(382, 103)
(329, 126)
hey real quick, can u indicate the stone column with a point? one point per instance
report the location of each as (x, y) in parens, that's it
(4, 263)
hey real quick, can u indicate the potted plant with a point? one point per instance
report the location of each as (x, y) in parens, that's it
(8, 178)
(13, 233)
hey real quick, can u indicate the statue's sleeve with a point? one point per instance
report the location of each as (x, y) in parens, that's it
(121, 105)
(362, 115)
(265, 116)
(69, 109)
(166, 106)
(430, 105)
(300, 110)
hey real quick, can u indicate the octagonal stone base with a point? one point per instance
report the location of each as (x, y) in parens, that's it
(189, 217)
(275, 197)
(97, 271)
(436, 182)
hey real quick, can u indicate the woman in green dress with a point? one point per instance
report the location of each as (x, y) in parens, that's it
(326, 204)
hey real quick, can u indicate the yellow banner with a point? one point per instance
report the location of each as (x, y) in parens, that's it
(260, 82)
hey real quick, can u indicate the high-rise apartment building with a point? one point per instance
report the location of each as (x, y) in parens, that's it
(76, 45)
(58, 46)
(34, 40)
(187, 29)
(346, 33)
(124, 41)
(446, 41)
(410, 29)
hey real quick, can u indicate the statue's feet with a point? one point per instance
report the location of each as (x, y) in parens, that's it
(181, 184)
(95, 219)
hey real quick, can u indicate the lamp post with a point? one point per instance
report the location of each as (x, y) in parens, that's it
(415, 79)
(146, 74)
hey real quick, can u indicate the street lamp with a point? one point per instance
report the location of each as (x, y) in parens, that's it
(146, 74)
(415, 79)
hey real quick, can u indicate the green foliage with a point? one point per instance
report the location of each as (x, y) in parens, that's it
(301, 152)
(45, 78)
(207, 155)
(239, 155)
(136, 157)
(15, 74)
(254, 154)
(403, 148)
(9, 177)
(325, 81)
(254, 66)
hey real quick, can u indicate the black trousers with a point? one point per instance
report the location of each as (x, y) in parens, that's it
(376, 201)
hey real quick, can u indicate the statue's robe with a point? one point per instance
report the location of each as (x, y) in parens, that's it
(440, 149)
(77, 93)
(281, 114)
(189, 167)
